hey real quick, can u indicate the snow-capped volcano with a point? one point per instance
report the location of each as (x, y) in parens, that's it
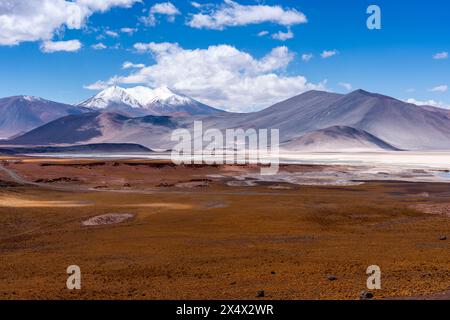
(111, 96)
(147, 96)
(140, 100)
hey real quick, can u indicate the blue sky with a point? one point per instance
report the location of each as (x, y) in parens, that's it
(405, 59)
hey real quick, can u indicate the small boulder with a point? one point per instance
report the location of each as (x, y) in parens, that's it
(365, 295)
(442, 238)
(332, 278)
(260, 294)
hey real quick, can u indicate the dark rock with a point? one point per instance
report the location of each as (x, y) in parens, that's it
(260, 294)
(443, 238)
(365, 295)
(331, 278)
(272, 272)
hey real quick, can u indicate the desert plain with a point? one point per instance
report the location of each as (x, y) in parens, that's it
(148, 229)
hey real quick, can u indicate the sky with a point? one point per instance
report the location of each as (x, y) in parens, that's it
(240, 55)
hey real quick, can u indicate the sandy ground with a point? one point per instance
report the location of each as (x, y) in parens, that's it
(193, 236)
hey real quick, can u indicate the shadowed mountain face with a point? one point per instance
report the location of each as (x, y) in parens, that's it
(98, 128)
(20, 114)
(358, 120)
(337, 138)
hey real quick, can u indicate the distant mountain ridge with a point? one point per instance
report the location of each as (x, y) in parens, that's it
(314, 120)
(140, 100)
(19, 114)
(80, 149)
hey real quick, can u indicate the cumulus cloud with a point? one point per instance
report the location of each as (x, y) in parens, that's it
(231, 14)
(283, 36)
(307, 56)
(130, 65)
(221, 76)
(98, 46)
(263, 33)
(55, 46)
(104, 5)
(440, 55)
(24, 20)
(163, 8)
(346, 86)
(328, 53)
(441, 88)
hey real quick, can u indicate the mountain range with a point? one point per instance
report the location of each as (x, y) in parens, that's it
(315, 121)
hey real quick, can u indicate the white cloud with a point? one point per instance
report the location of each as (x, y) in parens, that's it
(433, 103)
(130, 65)
(329, 53)
(55, 46)
(441, 88)
(346, 86)
(263, 33)
(221, 75)
(231, 14)
(283, 36)
(98, 46)
(128, 31)
(440, 56)
(112, 34)
(104, 5)
(163, 8)
(307, 56)
(25, 20)
(99, 85)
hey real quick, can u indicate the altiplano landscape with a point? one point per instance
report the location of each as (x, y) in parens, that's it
(97, 188)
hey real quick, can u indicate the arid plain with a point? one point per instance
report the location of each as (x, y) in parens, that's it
(196, 232)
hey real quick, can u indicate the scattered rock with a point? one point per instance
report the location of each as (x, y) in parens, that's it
(194, 183)
(443, 238)
(241, 183)
(331, 278)
(260, 294)
(61, 179)
(279, 187)
(365, 295)
(165, 185)
(111, 218)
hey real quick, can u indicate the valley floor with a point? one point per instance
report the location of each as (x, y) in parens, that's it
(146, 229)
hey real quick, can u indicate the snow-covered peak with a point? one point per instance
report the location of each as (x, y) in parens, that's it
(163, 95)
(114, 95)
(141, 100)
